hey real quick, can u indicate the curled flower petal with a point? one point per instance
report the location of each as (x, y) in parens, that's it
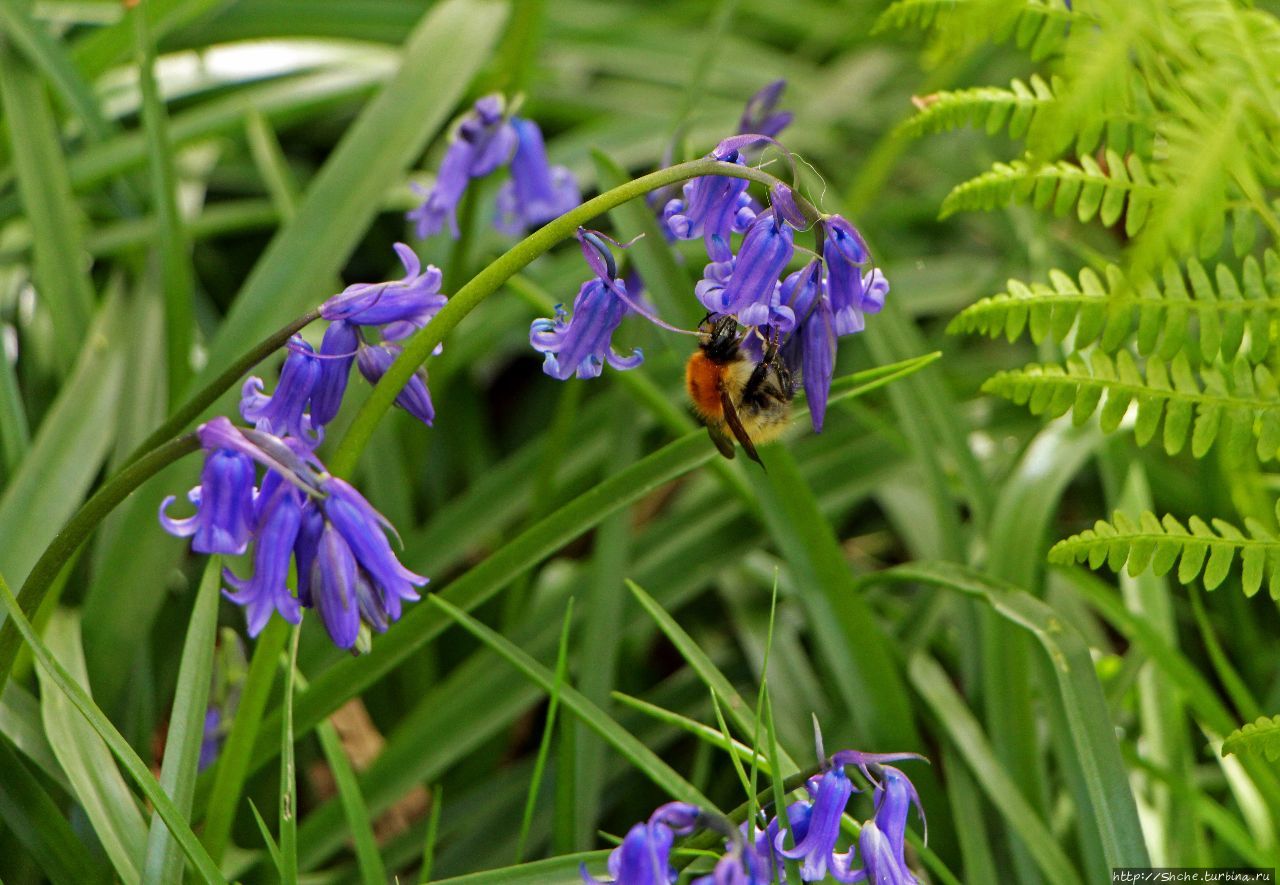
(816, 850)
(283, 413)
(224, 505)
(268, 591)
(874, 289)
(414, 299)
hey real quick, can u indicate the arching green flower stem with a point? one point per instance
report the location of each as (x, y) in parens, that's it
(489, 280)
(162, 447)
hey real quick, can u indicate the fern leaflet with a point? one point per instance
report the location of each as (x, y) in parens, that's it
(1234, 401)
(1229, 313)
(1198, 549)
(1122, 188)
(1261, 737)
(1039, 26)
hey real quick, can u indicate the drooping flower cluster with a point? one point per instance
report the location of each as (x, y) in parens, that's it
(804, 311)
(485, 140)
(755, 855)
(296, 511)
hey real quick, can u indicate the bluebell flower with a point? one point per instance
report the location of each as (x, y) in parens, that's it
(643, 858)
(481, 143)
(277, 518)
(224, 505)
(337, 352)
(332, 586)
(364, 529)
(284, 412)
(414, 299)
(537, 191)
(751, 294)
(713, 207)
(759, 116)
(582, 344)
(811, 349)
(845, 253)
(414, 397)
(816, 851)
(210, 739)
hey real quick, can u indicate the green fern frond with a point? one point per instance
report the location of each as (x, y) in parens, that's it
(1198, 548)
(1039, 26)
(1237, 402)
(1098, 68)
(1261, 737)
(1228, 313)
(1122, 188)
(1018, 107)
(988, 106)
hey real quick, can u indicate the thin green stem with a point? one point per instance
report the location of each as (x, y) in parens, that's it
(489, 280)
(207, 395)
(73, 534)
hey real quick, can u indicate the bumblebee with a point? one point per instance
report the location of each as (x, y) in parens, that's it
(734, 393)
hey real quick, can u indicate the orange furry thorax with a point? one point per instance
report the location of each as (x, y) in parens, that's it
(702, 378)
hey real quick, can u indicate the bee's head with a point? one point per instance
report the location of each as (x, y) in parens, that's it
(719, 337)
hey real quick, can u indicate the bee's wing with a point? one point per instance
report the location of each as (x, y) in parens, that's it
(722, 441)
(735, 424)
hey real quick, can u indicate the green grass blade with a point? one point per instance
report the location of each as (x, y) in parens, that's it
(48, 56)
(95, 779)
(20, 723)
(548, 729)
(739, 710)
(175, 262)
(273, 850)
(61, 274)
(561, 870)
(622, 740)
(65, 456)
(186, 725)
(1111, 815)
(957, 719)
(603, 604)
(845, 629)
(65, 684)
(15, 430)
(368, 859)
(439, 60)
(288, 777)
(422, 623)
(1018, 533)
(233, 762)
(36, 821)
(714, 737)
(433, 832)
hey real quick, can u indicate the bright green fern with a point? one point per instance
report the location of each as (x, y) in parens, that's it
(1186, 311)
(1199, 550)
(1261, 737)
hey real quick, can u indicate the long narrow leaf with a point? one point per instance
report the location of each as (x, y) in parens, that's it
(66, 684)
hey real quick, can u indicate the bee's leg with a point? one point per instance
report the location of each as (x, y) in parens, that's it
(758, 375)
